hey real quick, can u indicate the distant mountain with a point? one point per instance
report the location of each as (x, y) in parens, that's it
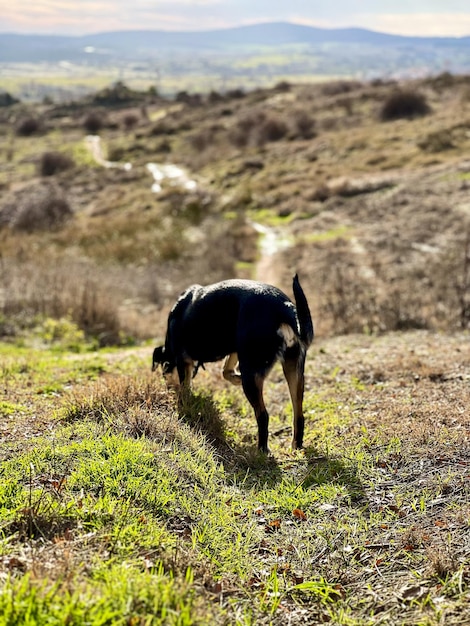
(146, 44)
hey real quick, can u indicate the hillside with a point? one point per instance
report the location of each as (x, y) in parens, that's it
(373, 213)
(121, 505)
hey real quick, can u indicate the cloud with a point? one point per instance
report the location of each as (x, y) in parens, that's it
(422, 24)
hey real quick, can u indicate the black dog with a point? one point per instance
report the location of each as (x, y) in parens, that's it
(247, 322)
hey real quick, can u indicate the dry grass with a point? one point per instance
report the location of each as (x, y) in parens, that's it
(367, 526)
(376, 213)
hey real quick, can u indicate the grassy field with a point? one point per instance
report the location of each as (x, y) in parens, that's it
(119, 506)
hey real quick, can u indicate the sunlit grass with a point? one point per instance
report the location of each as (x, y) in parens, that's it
(173, 503)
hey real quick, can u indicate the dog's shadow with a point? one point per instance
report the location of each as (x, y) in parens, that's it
(201, 413)
(248, 467)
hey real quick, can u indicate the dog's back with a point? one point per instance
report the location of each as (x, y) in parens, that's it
(222, 318)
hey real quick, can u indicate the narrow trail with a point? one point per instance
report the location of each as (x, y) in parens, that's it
(271, 240)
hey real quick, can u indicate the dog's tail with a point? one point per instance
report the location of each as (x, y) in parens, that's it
(303, 312)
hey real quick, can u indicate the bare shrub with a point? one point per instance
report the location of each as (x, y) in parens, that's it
(283, 86)
(136, 405)
(97, 314)
(93, 122)
(443, 81)
(235, 94)
(437, 142)
(339, 87)
(304, 124)
(404, 104)
(271, 129)
(52, 162)
(28, 126)
(347, 302)
(193, 99)
(465, 94)
(44, 209)
(130, 121)
(59, 287)
(347, 104)
(200, 140)
(241, 133)
(214, 97)
(451, 272)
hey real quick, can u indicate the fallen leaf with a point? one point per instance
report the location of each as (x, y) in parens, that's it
(299, 514)
(272, 526)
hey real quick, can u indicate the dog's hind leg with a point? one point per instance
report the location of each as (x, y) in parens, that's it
(294, 373)
(229, 372)
(253, 388)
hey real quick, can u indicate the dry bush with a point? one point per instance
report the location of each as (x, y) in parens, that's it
(93, 122)
(28, 126)
(53, 162)
(235, 94)
(58, 287)
(241, 133)
(451, 278)
(443, 81)
(403, 104)
(303, 124)
(201, 140)
(386, 288)
(283, 86)
(339, 87)
(271, 129)
(465, 94)
(45, 208)
(348, 303)
(257, 127)
(184, 97)
(130, 121)
(437, 141)
(215, 97)
(136, 406)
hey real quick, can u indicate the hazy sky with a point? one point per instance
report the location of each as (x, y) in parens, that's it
(409, 17)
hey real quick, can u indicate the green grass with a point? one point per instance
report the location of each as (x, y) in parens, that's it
(131, 508)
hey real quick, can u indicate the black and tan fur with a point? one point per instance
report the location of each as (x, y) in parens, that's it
(250, 324)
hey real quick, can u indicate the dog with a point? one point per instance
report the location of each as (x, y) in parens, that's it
(248, 323)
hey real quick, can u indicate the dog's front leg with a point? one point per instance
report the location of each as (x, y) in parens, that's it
(185, 369)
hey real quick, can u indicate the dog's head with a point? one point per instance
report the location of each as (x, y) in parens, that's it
(163, 358)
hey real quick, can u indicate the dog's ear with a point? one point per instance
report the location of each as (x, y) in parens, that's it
(158, 357)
